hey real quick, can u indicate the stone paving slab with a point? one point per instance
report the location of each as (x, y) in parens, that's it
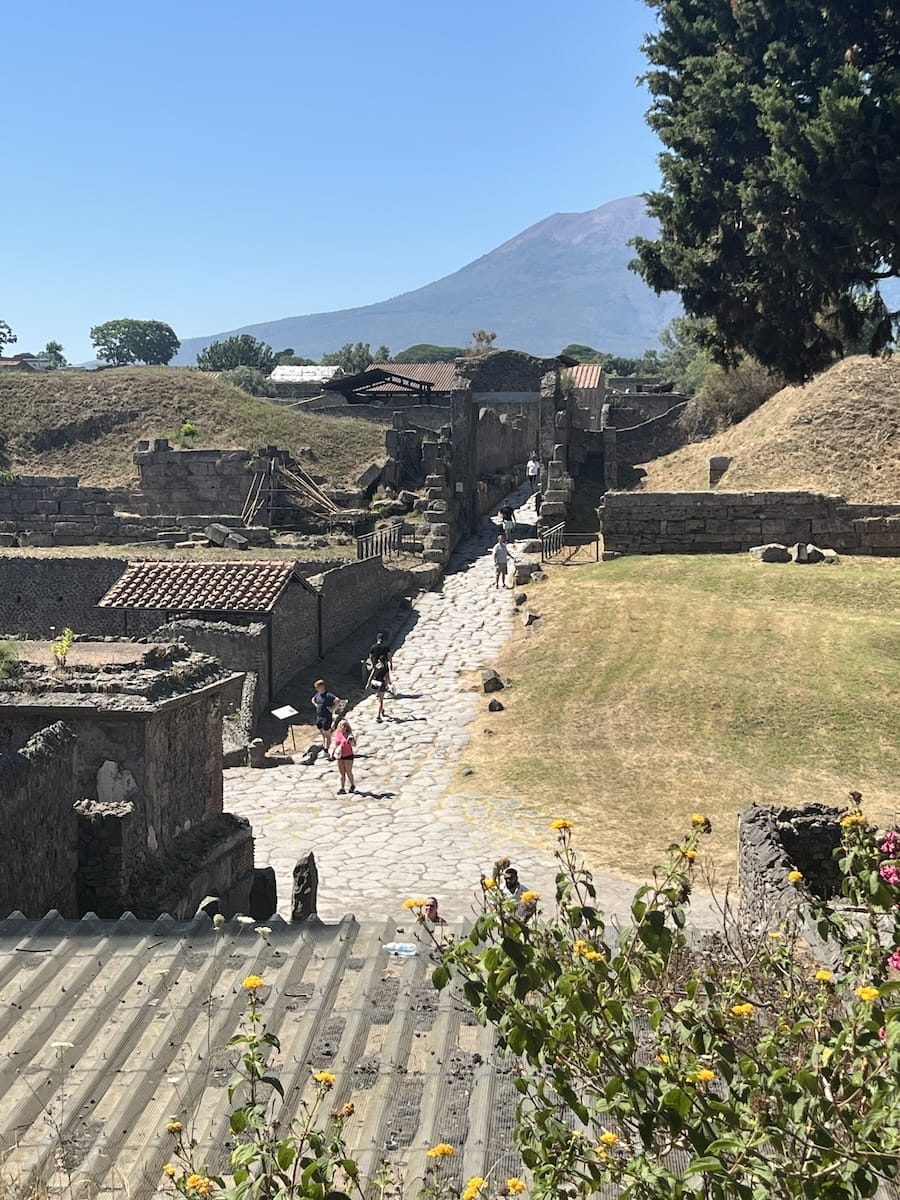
(402, 834)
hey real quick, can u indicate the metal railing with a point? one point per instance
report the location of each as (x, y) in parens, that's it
(569, 549)
(384, 543)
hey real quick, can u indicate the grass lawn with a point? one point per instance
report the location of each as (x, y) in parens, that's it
(657, 687)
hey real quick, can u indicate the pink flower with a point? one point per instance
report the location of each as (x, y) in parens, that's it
(894, 961)
(882, 1034)
(890, 873)
(890, 847)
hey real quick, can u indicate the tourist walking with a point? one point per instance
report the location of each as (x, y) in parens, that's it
(501, 555)
(344, 746)
(325, 703)
(380, 680)
(508, 521)
(533, 471)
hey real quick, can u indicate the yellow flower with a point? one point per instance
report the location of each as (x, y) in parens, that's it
(593, 956)
(348, 1110)
(169, 1170)
(199, 1184)
(515, 1186)
(560, 825)
(415, 902)
(852, 820)
(774, 935)
(472, 1188)
(174, 1127)
(742, 1010)
(325, 1077)
(487, 884)
(530, 897)
(441, 1150)
(867, 993)
(824, 976)
(795, 876)
(699, 821)
(609, 1139)
(663, 1058)
(252, 982)
(704, 1075)
(689, 854)
(579, 946)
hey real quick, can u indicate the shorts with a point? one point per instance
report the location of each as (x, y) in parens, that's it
(380, 685)
(348, 758)
(508, 526)
(325, 724)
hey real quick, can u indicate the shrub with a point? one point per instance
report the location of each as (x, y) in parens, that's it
(62, 646)
(651, 1067)
(249, 380)
(726, 397)
(9, 660)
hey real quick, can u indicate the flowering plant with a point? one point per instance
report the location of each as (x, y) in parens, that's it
(735, 1068)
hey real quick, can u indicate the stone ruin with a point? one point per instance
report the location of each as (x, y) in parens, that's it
(112, 786)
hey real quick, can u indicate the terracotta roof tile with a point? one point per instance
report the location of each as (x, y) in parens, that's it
(201, 587)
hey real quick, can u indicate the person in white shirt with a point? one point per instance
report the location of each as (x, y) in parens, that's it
(533, 471)
(501, 555)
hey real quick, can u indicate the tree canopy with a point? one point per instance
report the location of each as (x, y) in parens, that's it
(55, 356)
(239, 351)
(7, 337)
(780, 175)
(426, 352)
(352, 357)
(128, 341)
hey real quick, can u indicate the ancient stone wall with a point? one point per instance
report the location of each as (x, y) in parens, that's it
(295, 633)
(353, 594)
(192, 481)
(505, 436)
(40, 595)
(704, 522)
(772, 842)
(237, 647)
(38, 510)
(40, 829)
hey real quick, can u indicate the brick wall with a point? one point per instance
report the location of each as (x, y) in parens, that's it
(40, 829)
(715, 522)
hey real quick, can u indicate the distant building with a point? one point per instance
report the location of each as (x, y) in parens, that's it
(21, 362)
(299, 383)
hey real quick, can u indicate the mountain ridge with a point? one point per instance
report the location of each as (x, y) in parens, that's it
(563, 279)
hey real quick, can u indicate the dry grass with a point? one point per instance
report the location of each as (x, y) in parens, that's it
(88, 423)
(840, 433)
(673, 685)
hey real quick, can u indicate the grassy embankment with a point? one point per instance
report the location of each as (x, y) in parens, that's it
(657, 687)
(88, 423)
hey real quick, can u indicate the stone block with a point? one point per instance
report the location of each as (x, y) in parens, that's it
(237, 541)
(491, 682)
(8, 539)
(217, 533)
(771, 552)
(437, 507)
(798, 552)
(264, 893)
(47, 506)
(304, 892)
(529, 617)
(434, 556)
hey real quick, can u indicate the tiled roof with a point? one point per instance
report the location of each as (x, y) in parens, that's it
(200, 586)
(586, 375)
(442, 376)
(106, 1026)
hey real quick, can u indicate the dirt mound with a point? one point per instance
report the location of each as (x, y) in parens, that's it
(88, 423)
(838, 434)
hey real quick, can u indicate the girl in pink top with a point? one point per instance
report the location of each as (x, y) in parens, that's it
(342, 745)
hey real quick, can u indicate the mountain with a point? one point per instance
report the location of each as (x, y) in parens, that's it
(564, 280)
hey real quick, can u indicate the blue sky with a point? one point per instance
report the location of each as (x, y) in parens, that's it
(217, 164)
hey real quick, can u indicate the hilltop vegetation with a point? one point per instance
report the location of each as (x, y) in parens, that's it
(840, 433)
(88, 423)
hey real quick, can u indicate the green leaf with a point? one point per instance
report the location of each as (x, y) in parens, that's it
(285, 1153)
(238, 1121)
(273, 1083)
(678, 1101)
(440, 977)
(706, 1165)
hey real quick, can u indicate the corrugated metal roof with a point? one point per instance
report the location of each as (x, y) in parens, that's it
(201, 587)
(442, 376)
(586, 375)
(110, 1028)
(313, 374)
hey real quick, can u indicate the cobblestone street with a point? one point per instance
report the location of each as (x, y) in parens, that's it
(404, 832)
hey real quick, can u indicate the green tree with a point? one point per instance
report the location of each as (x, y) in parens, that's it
(351, 358)
(652, 1068)
(55, 356)
(425, 352)
(780, 177)
(250, 380)
(239, 351)
(128, 341)
(584, 354)
(383, 354)
(287, 358)
(7, 337)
